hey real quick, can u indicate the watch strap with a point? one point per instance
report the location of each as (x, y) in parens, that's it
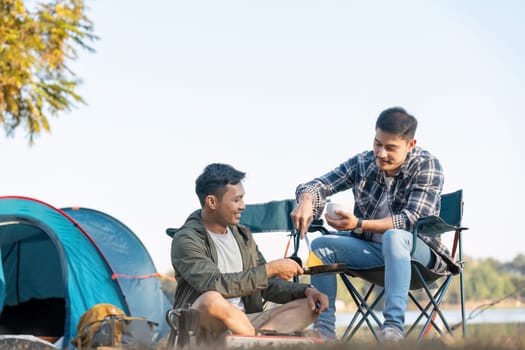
(359, 227)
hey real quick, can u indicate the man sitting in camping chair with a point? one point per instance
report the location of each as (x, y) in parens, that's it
(222, 274)
(394, 185)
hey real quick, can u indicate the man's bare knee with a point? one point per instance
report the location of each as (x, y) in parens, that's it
(207, 298)
(218, 313)
(212, 303)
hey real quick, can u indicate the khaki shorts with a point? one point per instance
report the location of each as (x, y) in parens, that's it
(215, 327)
(258, 319)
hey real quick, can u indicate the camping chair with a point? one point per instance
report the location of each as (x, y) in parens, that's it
(274, 216)
(449, 220)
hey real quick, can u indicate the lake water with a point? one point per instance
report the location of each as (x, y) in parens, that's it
(513, 315)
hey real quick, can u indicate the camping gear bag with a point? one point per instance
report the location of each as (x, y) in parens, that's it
(107, 325)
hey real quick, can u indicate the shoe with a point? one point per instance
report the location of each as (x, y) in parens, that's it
(390, 334)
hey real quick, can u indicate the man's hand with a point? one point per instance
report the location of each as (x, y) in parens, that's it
(302, 215)
(318, 301)
(283, 268)
(346, 221)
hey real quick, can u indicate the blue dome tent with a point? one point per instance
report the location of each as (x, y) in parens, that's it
(58, 263)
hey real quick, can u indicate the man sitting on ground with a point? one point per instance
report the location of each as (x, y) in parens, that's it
(221, 272)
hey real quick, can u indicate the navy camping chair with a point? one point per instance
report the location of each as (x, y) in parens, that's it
(274, 216)
(434, 285)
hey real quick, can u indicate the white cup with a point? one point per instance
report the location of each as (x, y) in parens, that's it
(332, 207)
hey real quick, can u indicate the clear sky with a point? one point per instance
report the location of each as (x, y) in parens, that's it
(285, 91)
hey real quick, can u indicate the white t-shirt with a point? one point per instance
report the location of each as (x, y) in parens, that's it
(228, 258)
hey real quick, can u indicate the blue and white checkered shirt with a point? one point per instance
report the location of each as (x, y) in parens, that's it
(415, 191)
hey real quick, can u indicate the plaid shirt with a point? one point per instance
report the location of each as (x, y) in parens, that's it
(414, 193)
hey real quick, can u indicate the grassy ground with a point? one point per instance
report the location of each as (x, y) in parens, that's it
(479, 337)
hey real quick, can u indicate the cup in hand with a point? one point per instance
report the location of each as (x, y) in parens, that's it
(332, 207)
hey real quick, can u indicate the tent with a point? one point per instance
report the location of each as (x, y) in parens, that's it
(57, 263)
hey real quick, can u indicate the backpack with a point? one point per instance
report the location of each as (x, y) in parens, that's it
(107, 325)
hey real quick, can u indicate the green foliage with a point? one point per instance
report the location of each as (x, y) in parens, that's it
(517, 265)
(487, 279)
(35, 48)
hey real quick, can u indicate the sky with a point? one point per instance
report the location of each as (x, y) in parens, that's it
(285, 91)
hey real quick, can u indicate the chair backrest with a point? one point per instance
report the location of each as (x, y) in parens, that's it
(274, 216)
(452, 207)
(271, 216)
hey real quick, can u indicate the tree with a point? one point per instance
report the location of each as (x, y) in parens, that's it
(517, 265)
(35, 49)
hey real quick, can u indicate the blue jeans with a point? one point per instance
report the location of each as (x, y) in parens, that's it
(393, 254)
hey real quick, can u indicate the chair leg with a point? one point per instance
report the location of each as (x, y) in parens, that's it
(423, 313)
(462, 296)
(435, 302)
(424, 310)
(364, 309)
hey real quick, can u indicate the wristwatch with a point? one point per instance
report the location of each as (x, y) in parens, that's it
(358, 229)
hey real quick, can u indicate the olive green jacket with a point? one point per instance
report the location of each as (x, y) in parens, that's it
(194, 258)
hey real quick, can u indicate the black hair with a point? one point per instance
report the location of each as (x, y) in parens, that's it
(397, 121)
(215, 178)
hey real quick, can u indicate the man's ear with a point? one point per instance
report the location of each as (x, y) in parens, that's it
(211, 201)
(411, 144)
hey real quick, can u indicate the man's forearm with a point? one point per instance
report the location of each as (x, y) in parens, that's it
(378, 225)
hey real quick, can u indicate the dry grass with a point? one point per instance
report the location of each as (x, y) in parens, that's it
(482, 336)
(479, 337)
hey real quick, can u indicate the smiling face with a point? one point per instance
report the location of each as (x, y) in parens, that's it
(391, 151)
(227, 208)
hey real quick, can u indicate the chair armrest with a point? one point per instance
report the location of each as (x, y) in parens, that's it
(432, 226)
(318, 226)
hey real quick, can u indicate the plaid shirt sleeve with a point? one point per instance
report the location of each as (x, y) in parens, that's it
(424, 198)
(315, 188)
(335, 181)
